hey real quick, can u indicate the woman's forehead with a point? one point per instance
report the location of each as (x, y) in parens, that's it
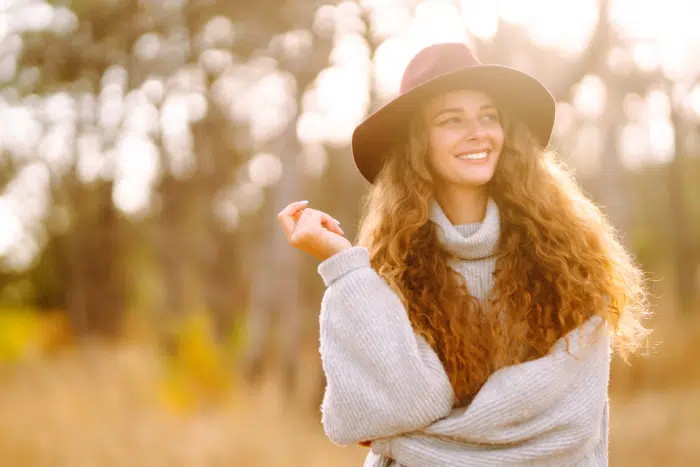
(461, 98)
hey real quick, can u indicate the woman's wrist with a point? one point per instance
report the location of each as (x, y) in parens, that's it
(342, 262)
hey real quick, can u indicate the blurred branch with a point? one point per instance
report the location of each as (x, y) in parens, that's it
(284, 305)
(560, 79)
(8, 169)
(592, 58)
(684, 250)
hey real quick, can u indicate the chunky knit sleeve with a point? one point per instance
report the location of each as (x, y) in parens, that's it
(382, 379)
(547, 412)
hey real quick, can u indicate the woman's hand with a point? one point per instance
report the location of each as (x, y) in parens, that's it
(312, 231)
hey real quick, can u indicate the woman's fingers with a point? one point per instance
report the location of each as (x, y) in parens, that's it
(308, 230)
(302, 224)
(326, 221)
(307, 227)
(288, 217)
(331, 224)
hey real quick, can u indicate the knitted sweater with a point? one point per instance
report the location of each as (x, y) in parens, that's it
(386, 384)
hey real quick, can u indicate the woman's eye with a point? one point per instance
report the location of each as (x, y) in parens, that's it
(451, 120)
(491, 117)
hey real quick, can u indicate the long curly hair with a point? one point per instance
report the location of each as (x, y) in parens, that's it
(559, 262)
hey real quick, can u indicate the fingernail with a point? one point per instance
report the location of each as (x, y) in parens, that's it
(306, 201)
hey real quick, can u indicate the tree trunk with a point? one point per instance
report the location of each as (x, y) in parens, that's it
(275, 288)
(684, 252)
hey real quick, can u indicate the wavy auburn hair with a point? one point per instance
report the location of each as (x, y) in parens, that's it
(559, 262)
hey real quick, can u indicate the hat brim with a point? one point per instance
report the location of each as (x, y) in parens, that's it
(523, 95)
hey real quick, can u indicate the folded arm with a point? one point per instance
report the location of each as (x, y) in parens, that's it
(548, 411)
(382, 379)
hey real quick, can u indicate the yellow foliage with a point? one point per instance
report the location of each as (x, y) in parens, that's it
(30, 332)
(198, 371)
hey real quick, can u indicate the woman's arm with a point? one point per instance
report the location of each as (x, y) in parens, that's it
(382, 379)
(549, 411)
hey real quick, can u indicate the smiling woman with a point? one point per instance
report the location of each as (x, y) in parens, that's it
(472, 323)
(465, 139)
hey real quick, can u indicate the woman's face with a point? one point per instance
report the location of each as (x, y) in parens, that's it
(465, 138)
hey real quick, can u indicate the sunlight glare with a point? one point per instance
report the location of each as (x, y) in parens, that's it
(226, 212)
(90, 161)
(562, 25)
(658, 104)
(480, 17)
(131, 196)
(137, 157)
(35, 16)
(30, 191)
(154, 89)
(248, 197)
(343, 100)
(389, 19)
(646, 56)
(661, 140)
(60, 106)
(312, 127)
(179, 148)
(588, 148)
(671, 25)
(8, 68)
(22, 253)
(589, 96)
(218, 32)
(142, 118)
(11, 229)
(148, 46)
(633, 106)
(434, 22)
(633, 145)
(514, 11)
(215, 61)
(64, 22)
(56, 147)
(565, 119)
(20, 131)
(265, 169)
(390, 61)
(314, 159)
(694, 100)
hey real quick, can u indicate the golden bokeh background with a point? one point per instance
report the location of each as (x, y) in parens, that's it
(151, 312)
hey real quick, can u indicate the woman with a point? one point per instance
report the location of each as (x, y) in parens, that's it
(472, 324)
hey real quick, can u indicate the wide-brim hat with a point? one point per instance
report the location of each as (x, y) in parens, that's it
(443, 67)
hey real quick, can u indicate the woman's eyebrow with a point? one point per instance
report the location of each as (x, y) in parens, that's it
(451, 110)
(448, 110)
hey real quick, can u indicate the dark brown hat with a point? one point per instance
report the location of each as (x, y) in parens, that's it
(443, 67)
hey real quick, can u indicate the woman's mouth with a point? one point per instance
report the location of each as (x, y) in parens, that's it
(473, 156)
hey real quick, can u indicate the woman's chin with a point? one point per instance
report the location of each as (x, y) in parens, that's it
(471, 178)
(474, 180)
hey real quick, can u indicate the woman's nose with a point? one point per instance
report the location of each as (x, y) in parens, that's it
(474, 129)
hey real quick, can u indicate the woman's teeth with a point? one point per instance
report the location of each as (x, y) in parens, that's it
(476, 155)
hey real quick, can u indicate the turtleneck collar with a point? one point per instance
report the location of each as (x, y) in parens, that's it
(468, 241)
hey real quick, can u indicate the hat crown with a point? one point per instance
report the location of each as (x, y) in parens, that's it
(436, 60)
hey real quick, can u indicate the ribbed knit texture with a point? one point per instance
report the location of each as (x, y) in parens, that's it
(386, 384)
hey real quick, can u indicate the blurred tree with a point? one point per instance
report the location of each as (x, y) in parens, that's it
(234, 262)
(685, 246)
(190, 241)
(275, 293)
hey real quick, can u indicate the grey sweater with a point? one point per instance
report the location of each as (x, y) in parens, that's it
(386, 384)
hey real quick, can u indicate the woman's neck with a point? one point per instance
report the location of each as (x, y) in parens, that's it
(463, 205)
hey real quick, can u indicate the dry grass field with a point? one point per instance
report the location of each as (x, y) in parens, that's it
(100, 407)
